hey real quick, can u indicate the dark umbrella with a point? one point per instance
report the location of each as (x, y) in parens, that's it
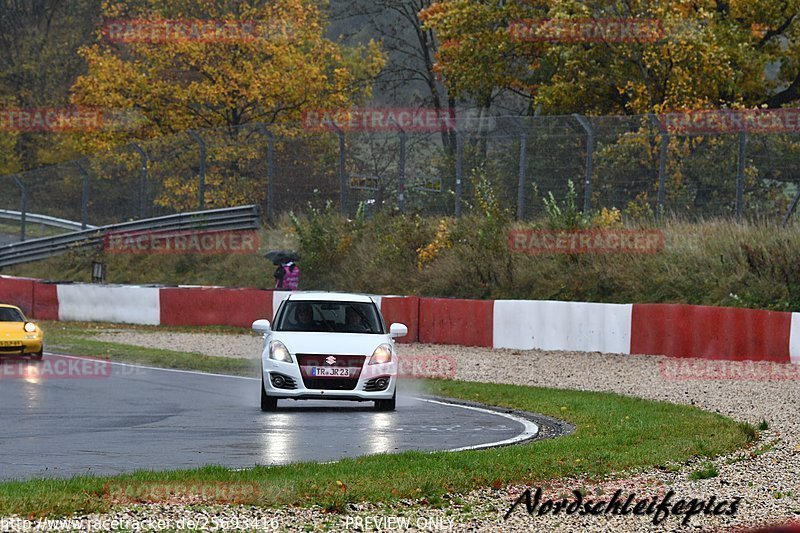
(282, 256)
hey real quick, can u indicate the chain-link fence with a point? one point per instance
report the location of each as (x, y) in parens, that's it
(633, 163)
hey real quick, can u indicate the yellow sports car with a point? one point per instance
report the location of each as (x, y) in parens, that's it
(18, 336)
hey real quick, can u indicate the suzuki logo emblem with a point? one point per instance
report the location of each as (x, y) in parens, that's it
(330, 360)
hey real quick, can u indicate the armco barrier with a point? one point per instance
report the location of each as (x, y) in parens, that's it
(678, 330)
(213, 306)
(466, 322)
(403, 309)
(576, 326)
(19, 292)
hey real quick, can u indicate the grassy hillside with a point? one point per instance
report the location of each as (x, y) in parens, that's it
(714, 263)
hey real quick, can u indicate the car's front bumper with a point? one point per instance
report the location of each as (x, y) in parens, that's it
(301, 391)
(21, 346)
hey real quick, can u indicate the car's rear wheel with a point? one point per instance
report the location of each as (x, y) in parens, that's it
(386, 405)
(268, 403)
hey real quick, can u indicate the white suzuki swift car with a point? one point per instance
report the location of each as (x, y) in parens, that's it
(328, 346)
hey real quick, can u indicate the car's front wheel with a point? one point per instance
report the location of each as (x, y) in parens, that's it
(268, 403)
(38, 355)
(386, 405)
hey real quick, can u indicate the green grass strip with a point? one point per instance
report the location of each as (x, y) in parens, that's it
(614, 434)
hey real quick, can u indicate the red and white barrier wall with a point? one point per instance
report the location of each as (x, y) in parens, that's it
(674, 330)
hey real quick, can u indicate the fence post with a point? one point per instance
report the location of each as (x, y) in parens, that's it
(662, 165)
(740, 176)
(401, 167)
(401, 178)
(459, 171)
(142, 179)
(201, 193)
(587, 184)
(792, 207)
(523, 149)
(342, 168)
(84, 195)
(23, 206)
(270, 169)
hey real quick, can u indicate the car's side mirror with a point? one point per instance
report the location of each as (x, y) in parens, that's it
(261, 326)
(398, 330)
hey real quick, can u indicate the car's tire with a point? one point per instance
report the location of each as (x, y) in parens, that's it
(38, 355)
(268, 403)
(386, 405)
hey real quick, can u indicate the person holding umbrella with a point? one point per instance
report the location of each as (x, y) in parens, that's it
(287, 274)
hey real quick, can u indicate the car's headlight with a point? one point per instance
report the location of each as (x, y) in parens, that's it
(30, 327)
(381, 355)
(279, 352)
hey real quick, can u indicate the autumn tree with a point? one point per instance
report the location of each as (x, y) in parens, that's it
(708, 54)
(275, 66)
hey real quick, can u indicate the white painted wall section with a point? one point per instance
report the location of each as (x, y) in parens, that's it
(109, 303)
(277, 298)
(794, 339)
(577, 326)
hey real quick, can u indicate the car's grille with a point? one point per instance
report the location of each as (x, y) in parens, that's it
(373, 385)
(11, 349)
(309, 361)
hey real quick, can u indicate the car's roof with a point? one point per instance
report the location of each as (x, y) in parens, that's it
(10, 306)
(329, 297)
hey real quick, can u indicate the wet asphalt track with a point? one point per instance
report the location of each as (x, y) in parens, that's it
(99, 418)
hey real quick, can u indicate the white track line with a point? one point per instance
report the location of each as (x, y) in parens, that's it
(530, 431)
(195, 372)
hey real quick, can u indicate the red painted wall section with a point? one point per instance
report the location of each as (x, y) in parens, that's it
(19, 292)
(403, 309)
(209, 306)
(680, 330)
(45, 301)
(448, 321)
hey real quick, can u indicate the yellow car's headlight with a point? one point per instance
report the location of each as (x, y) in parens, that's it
(30, 327)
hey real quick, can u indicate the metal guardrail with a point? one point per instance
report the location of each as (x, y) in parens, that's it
(229, 218)
(34, 218)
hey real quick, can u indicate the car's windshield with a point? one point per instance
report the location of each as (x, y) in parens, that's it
(8, 314)
(341, 317)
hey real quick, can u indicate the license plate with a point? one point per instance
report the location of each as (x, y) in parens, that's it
(10, 343)
(330, 372)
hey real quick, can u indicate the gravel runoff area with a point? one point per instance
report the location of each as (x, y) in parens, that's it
(766, 478)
